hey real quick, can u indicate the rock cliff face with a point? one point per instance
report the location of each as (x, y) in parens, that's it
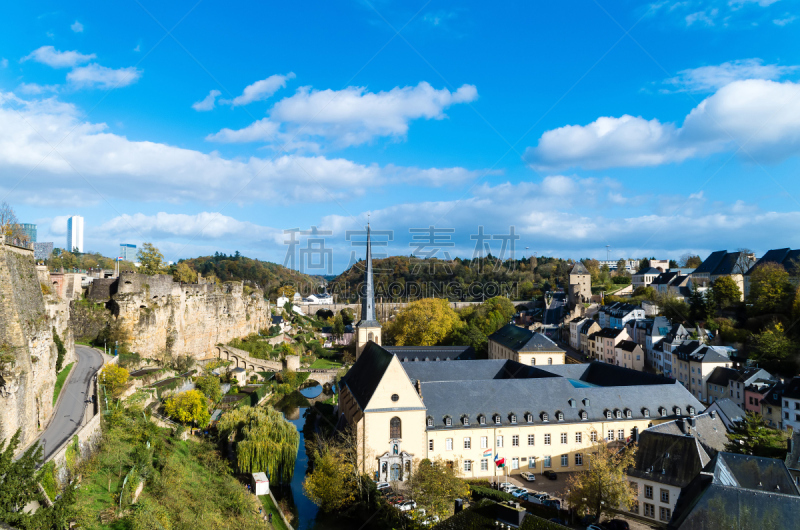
(27, 351)
(159, 314)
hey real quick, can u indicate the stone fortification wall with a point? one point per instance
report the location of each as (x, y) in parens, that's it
(28, 372)
(160, 314)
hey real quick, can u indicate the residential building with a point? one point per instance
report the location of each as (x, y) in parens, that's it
(343, 340)
(718, 381)
(791, 404)
(729, 412)
(127, 252)
(739, 491)
(628, 354)
(771, 406)
(537, 418)
(755, 392)
(631, 265)
(617, 314)
(793, 457)
(587, 328)
(323, 299)
(606, 341)
(673, 283)
(574, 331)
(29, 231)
(580, 285)
(745, 376)
(661, 265)
(654, 333)
(638, 329)
(75, 233)
(788, 258)
(644, 277)
(524, 346)
(695, 362)
(668, 457)
(42, 251)
(721, 263)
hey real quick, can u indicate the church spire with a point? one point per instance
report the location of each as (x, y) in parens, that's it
(368, 301)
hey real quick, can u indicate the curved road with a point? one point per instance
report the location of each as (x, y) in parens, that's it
(69, 415)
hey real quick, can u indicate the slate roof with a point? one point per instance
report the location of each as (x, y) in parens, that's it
(695, 351)
(738, 491)
(609, 333)
(773, 396)
(363, 378)
(627, 345)
(421, 353)
(721, 375)
(648, 271)
(730, 409)
(664, 278)
(792, 390)
(584, 328)
(668, 459)
(784, 256)
(520, 339)
(721, 263)
(277, 319)
(710, 264)
(709, 429)
(793, 456)
(579, 268)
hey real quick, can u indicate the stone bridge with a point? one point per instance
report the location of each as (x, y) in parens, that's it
(244, 360)
(323, 377)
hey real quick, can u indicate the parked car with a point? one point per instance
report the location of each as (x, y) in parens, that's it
(520, 493)
(538, 498)
(407, 506)
(433, 519)
(383, 486)
(530, 477)
(395, 499)
(616, 524)
(550, 474)
(505, 486)
(552, 503)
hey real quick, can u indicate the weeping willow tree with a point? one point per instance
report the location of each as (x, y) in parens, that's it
(265, 441)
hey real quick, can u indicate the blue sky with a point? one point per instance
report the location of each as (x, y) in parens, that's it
(656, 128)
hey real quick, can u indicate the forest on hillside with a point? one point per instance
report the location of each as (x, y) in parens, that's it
(400, 278)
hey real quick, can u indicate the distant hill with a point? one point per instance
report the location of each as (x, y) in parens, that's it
(266, 275)
(399, 278)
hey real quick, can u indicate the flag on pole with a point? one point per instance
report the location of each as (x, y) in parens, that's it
(488, 452)
(498, 461)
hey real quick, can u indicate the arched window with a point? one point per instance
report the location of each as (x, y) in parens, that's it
(430, 421)
(549, 360)
(394, 428)
(370, 336)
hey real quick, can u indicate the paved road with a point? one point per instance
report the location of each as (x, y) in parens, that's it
(67, 418)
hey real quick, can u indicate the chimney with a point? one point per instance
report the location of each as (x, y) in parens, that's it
(419, 388)
(713, 414)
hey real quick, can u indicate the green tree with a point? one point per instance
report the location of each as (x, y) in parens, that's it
(183, 273)
(753, 436)
(621, 266)
(287, 291)
(425, 322)
(18, 481)
(770, 289)
(774, 350)
(674, 308)
(151, 259)
(604, 487)
(114, 378)
(691, 261)
(644, 264)
(435, 486)
(331, 485)
(265, 441)
(189, 406)
(725, 291)
(210, 387)
(673, 264)
(700, 305)
(150, 515)
(338, 327)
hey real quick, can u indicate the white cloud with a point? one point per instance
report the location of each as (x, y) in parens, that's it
(260, 90)
(711, 78)
(138, 48)
(204, 225)
(95, 76)
(4, 62)
(785, 20)
(51, 57)
(77, 27)
(351, 116)
(704, 17)
(59, 225)
(208, 102)
(760, 116)
(36, 89)
(91, 159)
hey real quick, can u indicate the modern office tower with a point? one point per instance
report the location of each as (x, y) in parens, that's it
(75, 233)
(127, 252)
(29, 229)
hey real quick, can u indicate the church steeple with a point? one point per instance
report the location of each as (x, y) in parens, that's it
(368, 328)
(368, 301)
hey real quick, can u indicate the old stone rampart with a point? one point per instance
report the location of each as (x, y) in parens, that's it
(27, 351)
(158, 314)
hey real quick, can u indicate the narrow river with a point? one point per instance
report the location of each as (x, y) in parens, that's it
(307, 510)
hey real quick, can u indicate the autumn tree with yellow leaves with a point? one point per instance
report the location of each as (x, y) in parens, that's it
(604, 487)
(425, 322)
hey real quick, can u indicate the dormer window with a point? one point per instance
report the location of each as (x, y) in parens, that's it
(646, 413)
(482, 419)
(513, 418)
(585, 402)
(584, 415)
(545, 417)
(676, 410)
(465, 421)
(430, 421)
(628, 413)
(691, 411)
(663, 411)
(497, 419)
(529, 417)
(560, 416)
(618, 414)
(572, 403)
(448, 421)
(608, 414)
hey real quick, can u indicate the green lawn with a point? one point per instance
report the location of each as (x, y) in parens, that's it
(325, 364)
(270, 507)
(62, 376)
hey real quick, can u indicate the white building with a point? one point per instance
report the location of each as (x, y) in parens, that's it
(791, 405)
(75, 233)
